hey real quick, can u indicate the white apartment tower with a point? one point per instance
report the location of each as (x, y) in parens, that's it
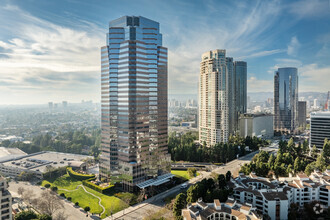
(218, 96)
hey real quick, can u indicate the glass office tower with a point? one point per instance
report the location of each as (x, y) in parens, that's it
(286, 100)
(240, 69)
(134, 102)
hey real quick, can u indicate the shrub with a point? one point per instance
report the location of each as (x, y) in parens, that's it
(69, 198)
(79, 176)
(47, 185)
(62, 195)
(54, 188)
(87, 208)
(97, 188)
(77, 203)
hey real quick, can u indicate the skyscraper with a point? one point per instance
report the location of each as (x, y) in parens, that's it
(240, 69)
(222, 96)
(302, 114)
(285, 100)
(134, 102)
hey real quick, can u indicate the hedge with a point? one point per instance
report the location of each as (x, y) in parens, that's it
(97, 188)
(79, 176)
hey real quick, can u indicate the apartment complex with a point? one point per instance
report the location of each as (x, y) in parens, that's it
(230, 210)
(5, 200)
(273, 197)
(320, 129)
(222, 96)
(286, 100)
(134, 102)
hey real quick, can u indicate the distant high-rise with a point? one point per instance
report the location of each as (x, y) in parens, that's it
(50, 105)
(134, 102)
(302, 114)
(320, 128)
(222, 96)
(64, 104)
(240, 69)
(285, 100)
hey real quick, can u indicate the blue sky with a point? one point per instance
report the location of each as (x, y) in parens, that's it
(49, 50)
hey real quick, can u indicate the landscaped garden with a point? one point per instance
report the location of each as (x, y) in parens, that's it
(71, 187)
(184, 174)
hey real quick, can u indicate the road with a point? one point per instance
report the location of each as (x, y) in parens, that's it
(155, 203)
(69, 210)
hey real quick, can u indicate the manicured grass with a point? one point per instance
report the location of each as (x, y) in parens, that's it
(182, 174)
(109, 202)
(64, 182)
(84, 199)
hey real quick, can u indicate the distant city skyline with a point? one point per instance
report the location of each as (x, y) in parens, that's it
(49, 50)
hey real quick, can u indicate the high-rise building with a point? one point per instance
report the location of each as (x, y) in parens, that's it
(285, 100)
(5, 199)
(65, 104)
(302, 114)
(316, 103)
(134, 102)
(320, 129)
(222, 96)
(240, 69)
(50, 105)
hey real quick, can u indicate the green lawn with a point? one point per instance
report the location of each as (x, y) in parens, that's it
(109, 202)
(182, 174)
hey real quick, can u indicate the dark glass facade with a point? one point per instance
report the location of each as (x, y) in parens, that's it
(286, 100)
(134, 102)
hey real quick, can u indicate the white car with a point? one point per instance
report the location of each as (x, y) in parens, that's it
(183, 186)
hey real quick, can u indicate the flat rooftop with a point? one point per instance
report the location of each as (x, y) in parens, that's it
(41, 160)
(10, 153)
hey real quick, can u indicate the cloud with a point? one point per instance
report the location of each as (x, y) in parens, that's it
(314, 78)
(310, 9)
(293, 47)
(243, 36)
(259, 85)
(49, 57)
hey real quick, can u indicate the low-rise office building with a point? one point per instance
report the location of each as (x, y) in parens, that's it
(41, 162)
(320, 129)
(260, 125)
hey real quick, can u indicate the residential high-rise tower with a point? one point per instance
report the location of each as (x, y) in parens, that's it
(286, 100)
(222, 96)
(134, 102)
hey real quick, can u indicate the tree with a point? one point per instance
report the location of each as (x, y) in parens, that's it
(192, 193)
(326, 149)
(49, 203)
(293, 212)
(179, 204)
(87, 209)
(192, 172)
(309, 169)
(47, 185)
(320, 163)
(228, 176)
(26, 215)
(60, 216)
(314, 152)
(44, 217)
(54, 188)
(20, 191)
(222, 181)
(296, 166)
(76, 203)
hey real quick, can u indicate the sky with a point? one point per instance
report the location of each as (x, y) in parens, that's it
(50, 50)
